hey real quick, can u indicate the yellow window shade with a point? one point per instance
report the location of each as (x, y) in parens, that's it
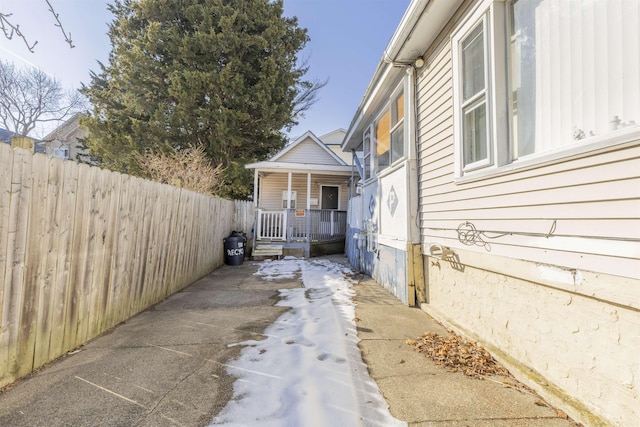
(383, 137)
(399, 108)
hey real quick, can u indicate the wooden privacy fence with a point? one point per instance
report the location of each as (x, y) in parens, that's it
(245, 215)
(83, 249)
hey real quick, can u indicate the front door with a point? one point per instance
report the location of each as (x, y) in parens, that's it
(329, 197)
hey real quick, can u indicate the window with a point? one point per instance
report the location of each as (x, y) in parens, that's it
(383, 141)
(61, 152)
(475, 138)
(367, 146)
(389, 133)
(536, 79)
(293, 199)
(397, 128)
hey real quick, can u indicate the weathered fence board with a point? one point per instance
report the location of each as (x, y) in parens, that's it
(83, 249)
(47, 325)
(39, 278)
(12, 327)
(66, 221)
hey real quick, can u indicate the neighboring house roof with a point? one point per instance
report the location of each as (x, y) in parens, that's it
(307, 152)
(5, 136)
(333, 138)
(65, 141)
(63, 131)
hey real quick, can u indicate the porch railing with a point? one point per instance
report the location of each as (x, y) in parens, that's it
(271, 225)
(301, 225)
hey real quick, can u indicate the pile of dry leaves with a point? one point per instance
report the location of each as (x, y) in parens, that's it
(457, 354)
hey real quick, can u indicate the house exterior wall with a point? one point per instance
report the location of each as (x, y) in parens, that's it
(68, 135)
(355, 238)
(552, 286)
(580, 347)
(272, 185)
(307, 151)
(384, 230)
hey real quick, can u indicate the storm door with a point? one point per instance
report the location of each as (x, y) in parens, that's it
(329, 197)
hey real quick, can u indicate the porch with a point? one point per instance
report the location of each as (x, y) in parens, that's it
(306, 232)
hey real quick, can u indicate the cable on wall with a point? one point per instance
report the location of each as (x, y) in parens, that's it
(469, 235)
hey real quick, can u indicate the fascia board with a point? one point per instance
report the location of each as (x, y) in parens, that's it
(298, 167)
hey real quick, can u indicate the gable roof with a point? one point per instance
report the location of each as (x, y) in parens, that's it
(307, 152)
(65, 129)
(299, 145)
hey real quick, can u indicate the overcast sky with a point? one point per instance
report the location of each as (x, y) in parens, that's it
(348, 38)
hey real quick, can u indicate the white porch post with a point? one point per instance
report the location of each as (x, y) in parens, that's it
(307, 219)
(308, 190)
(289, 190)
(255, 187)
(286, 215)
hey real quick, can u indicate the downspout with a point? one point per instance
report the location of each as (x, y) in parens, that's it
(415, 266)
(415, 233)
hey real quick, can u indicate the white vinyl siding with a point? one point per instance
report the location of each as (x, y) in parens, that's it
(593, 198)
(309, 152)
(272, 185)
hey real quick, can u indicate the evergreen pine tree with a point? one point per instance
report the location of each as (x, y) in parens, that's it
(222, 74)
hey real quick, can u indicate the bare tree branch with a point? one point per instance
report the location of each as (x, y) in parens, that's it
(188, 168)
(9, 29)
(30, 96)
(67, 37)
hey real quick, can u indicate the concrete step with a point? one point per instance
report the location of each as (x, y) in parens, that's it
(265, 250)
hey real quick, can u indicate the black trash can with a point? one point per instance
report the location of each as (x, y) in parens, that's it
(234, 249)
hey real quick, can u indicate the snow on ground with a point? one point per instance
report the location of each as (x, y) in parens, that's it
(308, 371)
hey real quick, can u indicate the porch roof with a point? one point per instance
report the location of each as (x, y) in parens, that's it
(269, 166)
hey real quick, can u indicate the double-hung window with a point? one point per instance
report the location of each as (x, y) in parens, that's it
(292, 199)
(536, 80)
(397, 127)
(475, 137)
(389, 133)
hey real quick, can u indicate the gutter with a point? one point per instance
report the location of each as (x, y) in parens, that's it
(403, 33)
(419, 27)
(398, 41)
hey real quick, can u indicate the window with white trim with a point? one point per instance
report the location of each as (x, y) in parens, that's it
(397, 127)
(368, 148)
(383, 141)
(475, 138)
(535, 79)
(294, 196)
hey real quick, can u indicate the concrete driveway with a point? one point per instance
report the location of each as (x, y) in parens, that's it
(163, 367)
